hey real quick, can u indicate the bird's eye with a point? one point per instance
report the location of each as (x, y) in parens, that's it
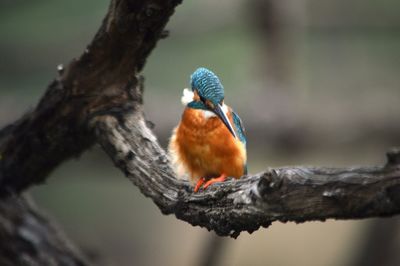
(209, 104)
(196, 96)
(202, 99)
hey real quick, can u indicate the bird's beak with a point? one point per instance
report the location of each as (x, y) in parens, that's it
(220, 113)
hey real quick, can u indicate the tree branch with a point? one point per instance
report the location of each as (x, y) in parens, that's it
(29, 238)
(284, 194)
(100, 93)
(57, 129)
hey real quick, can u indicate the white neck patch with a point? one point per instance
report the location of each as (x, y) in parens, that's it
(187, 96)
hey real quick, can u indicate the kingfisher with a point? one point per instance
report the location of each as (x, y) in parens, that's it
(209, 143)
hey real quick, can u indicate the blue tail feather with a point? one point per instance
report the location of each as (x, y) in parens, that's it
(240, 131)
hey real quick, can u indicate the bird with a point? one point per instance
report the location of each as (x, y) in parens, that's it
(209, 144)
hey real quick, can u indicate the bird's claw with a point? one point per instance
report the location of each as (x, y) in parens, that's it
(201, 181)
(199, 184)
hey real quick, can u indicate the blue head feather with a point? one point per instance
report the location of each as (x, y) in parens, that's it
(207, 85)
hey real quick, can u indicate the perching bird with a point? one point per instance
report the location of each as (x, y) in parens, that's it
(208, 144)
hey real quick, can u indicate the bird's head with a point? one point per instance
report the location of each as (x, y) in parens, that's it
(207, 94)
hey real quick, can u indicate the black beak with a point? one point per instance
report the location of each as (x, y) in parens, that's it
(220, 113)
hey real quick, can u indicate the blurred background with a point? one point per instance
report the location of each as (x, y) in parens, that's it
(315, 83)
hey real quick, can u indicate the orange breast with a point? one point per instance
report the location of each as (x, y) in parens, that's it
(206, 148)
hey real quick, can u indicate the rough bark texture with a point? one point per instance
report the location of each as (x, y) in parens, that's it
(284, 194)
(57, 130)
(98, 97)
(28, 238)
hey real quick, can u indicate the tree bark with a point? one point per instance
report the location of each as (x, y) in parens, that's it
(57, 129)
(29, 238)
(98, 98)
(284, 194)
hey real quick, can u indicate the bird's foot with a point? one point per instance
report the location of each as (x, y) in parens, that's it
(199, 184)
(221, 178)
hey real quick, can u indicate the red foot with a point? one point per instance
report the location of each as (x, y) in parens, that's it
(199, 184)
(221, 178)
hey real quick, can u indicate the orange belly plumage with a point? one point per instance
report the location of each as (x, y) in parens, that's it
(204, 147)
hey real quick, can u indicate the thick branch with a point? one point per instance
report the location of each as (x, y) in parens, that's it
(28, 238)
(57, 129)
(296, 194)
(100, 89)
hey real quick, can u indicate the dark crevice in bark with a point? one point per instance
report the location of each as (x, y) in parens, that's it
(283, 194)
(98, 98)
(99, 82)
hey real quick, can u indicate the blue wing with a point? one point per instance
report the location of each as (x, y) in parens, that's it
(239, 127)
(240, 131)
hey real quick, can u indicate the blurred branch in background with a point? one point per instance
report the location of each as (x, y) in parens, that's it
(380, 244)
(301, 132)
(30, 238)
(212, 251)
(57, 129)
(102, 83)
(275, 23)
